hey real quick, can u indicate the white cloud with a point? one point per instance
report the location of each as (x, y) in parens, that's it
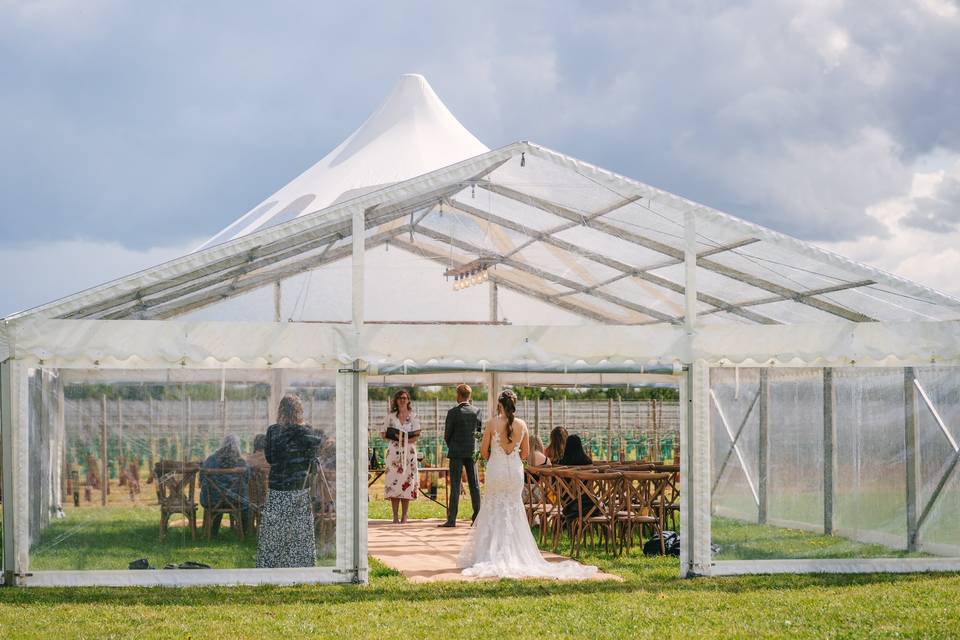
(927, 255)
(43, 272)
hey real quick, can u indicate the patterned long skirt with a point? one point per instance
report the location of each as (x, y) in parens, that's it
(286, 531)
(401, 482)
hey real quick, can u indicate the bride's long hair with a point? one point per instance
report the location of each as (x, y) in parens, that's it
(508, 402)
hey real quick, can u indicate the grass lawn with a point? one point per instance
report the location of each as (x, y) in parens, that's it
(652, 600)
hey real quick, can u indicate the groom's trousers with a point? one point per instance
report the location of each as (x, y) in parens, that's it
(457, 465)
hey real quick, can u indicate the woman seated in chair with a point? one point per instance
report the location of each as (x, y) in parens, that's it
(574, 455)
(217, 489)
(537, 456)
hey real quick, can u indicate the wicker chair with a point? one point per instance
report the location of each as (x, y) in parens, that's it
(257, 493)
(323, 498)
(176, 493)
(224, 502)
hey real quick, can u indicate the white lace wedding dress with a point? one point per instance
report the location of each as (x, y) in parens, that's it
(500, 543)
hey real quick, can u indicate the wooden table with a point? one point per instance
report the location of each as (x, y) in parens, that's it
(375, 474)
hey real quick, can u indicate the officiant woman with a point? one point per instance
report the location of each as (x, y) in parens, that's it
(401, 429)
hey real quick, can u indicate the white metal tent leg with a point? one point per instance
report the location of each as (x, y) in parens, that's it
(352, 421)
(493, 392)
(8, 432)
(695, 531)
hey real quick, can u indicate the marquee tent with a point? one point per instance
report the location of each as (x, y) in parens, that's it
(816, 393)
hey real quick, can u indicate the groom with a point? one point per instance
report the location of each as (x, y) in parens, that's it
(463, 421)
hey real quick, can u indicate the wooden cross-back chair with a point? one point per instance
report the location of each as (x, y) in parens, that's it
(323, 499)
(642, 506)
(564, 492)
(540, 502)
(598, 498)
(671, 494)
(257, 494)
(223, 501)
(176, 492)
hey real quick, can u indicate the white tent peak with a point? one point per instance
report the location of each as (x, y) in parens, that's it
(410, 134)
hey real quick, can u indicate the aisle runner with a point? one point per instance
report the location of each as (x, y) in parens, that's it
(423, 552)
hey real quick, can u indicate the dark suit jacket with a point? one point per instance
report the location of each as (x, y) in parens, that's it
(463, 421)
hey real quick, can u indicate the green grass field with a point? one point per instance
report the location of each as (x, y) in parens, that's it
(652, 599)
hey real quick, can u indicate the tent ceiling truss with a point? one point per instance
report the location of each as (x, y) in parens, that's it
(677, 254)
(508, 283)
(322, 244)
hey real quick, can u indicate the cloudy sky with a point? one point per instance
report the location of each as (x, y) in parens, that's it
(131, 132)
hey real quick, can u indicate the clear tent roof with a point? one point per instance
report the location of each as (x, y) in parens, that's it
(581, 244)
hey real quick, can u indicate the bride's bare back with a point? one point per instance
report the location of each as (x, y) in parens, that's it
(495, 431)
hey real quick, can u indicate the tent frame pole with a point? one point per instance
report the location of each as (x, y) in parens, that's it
(829, 448)
(357, 316)
(912, 450)
(7, 428)
(763, 448)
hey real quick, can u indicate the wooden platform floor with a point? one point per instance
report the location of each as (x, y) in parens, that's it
(424, 552)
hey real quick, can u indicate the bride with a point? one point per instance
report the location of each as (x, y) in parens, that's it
(500, 543)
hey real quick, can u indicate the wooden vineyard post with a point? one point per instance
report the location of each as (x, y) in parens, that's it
(121, 458)
(621, 448)
(104, 474)
(609, 428)
(436, 423)
(655, 445)
(536, 418)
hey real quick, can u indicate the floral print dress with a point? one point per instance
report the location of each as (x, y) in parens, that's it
(402, 476)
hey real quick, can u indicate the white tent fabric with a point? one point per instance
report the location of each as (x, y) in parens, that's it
(412, 133)
(604, 248)
(137, 344)
(653, 281)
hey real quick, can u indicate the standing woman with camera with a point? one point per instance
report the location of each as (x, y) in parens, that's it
(402, 430)
(286, 536)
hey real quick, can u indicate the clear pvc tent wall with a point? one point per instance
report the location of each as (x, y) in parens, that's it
(819, 397)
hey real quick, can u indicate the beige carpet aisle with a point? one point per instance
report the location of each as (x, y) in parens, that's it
(423, 552)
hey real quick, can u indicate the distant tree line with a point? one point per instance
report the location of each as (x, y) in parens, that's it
(238, 392)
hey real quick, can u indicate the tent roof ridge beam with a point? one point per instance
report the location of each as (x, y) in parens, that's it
(545, 275)
(258, 280)
(308, 234)
(609, 262)
(509, 284)
(234, 275)
(255, 281)
(660, 247)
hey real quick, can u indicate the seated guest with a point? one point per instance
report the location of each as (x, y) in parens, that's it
(257, 459)
(558, 439)
(574, 455)
(537, 457)
(232, 486)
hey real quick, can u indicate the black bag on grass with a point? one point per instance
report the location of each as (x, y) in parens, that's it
(671, 543)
